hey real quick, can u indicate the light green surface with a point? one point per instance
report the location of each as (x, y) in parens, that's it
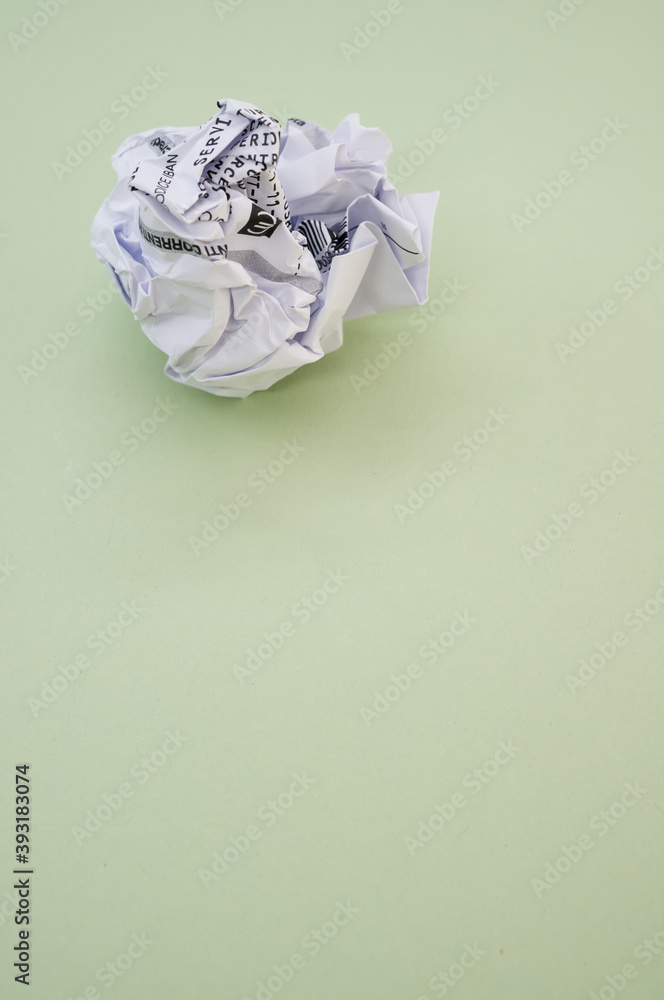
(535, 617)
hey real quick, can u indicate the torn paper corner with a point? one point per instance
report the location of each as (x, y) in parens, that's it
(241, 247)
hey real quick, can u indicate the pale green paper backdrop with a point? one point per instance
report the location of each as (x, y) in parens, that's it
(151, 732)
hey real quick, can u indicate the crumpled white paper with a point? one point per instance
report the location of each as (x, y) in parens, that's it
(240, 247)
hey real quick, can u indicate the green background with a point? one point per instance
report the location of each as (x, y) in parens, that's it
(468, 549)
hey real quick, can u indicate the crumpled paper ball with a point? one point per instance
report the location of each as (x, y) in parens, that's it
(240, 246)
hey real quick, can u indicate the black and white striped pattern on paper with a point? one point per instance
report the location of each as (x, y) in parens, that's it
(317, 235)
(323, 243)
